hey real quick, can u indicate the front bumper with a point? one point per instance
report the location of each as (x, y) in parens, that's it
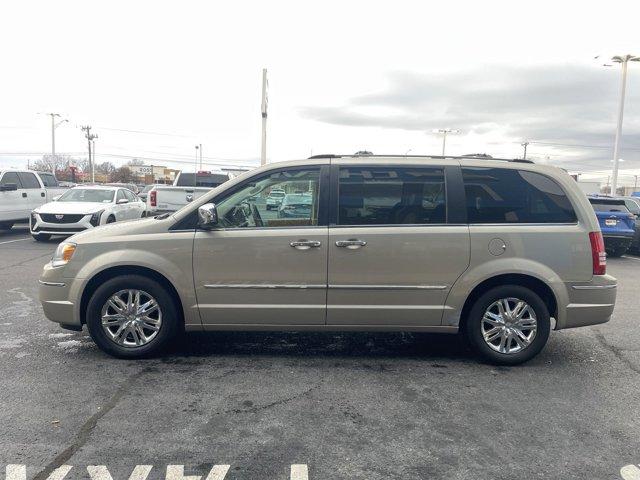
(590, 303)
(37, 226)
(56, 295)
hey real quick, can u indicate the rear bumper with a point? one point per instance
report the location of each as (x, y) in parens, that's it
(590, 303)
(613, 242)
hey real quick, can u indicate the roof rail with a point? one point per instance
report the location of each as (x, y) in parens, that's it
(460, 157)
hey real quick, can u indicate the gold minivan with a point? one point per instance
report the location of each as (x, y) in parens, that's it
(500, 250)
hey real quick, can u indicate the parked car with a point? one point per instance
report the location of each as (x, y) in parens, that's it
(130, 186)
(295, 205)
(493, 249)
(616, 222)
(633, 205)
(274, 199)
(23, 190)
(83, 208)
(145, 191)
(185, 189)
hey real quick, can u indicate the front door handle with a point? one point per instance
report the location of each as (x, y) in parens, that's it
(305, 244)
(351, 244)
(24, 194)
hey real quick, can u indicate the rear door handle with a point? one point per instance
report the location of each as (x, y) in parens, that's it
(351, 244)
(305, 244)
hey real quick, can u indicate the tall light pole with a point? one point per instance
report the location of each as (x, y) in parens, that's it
(524, 144)
(265, 102)
(54, 125)
(200, 148)
(195, 168)
(624, 61)
(445, 132)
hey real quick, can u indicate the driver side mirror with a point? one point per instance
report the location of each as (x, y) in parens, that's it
(122, 200)
(9, 187)
(207, 215)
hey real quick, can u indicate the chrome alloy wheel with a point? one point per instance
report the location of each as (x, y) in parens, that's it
(131, 318)
(509, 325)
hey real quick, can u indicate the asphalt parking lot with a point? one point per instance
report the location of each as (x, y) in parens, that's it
(347, 405)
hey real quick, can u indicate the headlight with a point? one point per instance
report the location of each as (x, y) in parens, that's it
(95, 218)
(63, 254)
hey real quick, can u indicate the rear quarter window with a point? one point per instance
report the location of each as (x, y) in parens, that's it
(501, 195)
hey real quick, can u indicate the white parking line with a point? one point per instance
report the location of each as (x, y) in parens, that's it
(18, 240)
(299, 472)
(632, 258)
(630, 472)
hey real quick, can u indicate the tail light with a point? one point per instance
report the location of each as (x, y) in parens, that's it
(598, 253)
(153, 198)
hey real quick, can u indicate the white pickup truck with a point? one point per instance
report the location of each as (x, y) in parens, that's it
(23, 190)
(185, 189)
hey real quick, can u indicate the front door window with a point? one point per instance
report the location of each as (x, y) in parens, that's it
(287, 198)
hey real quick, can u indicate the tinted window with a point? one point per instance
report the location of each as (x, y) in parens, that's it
(201, 180)
(497, 195)
(11, 177)
(130, 195)
(28, 180)
(121, 195)
(609, 206)
(391, 196)
(48, 180)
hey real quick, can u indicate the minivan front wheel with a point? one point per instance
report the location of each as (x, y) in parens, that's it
(508, 325)
(131, 316)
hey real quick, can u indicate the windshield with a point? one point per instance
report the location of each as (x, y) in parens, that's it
(87, 195)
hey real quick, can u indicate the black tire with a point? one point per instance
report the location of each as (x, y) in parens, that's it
(111, 219)
(144, 214)
(6, 226)
(41, 237)
(473, 326)
(169, 328)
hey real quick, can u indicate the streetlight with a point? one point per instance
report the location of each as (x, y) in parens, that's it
(444, 132)
(195, 168)
(623, 60)
(54, 125)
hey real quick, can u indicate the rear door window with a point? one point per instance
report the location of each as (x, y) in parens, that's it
(502, 195)
(371, 195)
(48, 180)
(28, 180)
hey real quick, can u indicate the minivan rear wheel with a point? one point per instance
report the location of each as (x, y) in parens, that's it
(132, 316)
(508, 325)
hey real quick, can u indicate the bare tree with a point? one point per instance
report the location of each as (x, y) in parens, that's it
(106, 168)
(121, 175)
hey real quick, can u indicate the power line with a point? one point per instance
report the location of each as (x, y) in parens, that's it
(146, 132)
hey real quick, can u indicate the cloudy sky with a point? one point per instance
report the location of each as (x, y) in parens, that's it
(156, 78)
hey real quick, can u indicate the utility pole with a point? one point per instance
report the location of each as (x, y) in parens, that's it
(623, 60)
(200, 156)
(90, 138)
(445, 132)
(265, 101)
(525, 144)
